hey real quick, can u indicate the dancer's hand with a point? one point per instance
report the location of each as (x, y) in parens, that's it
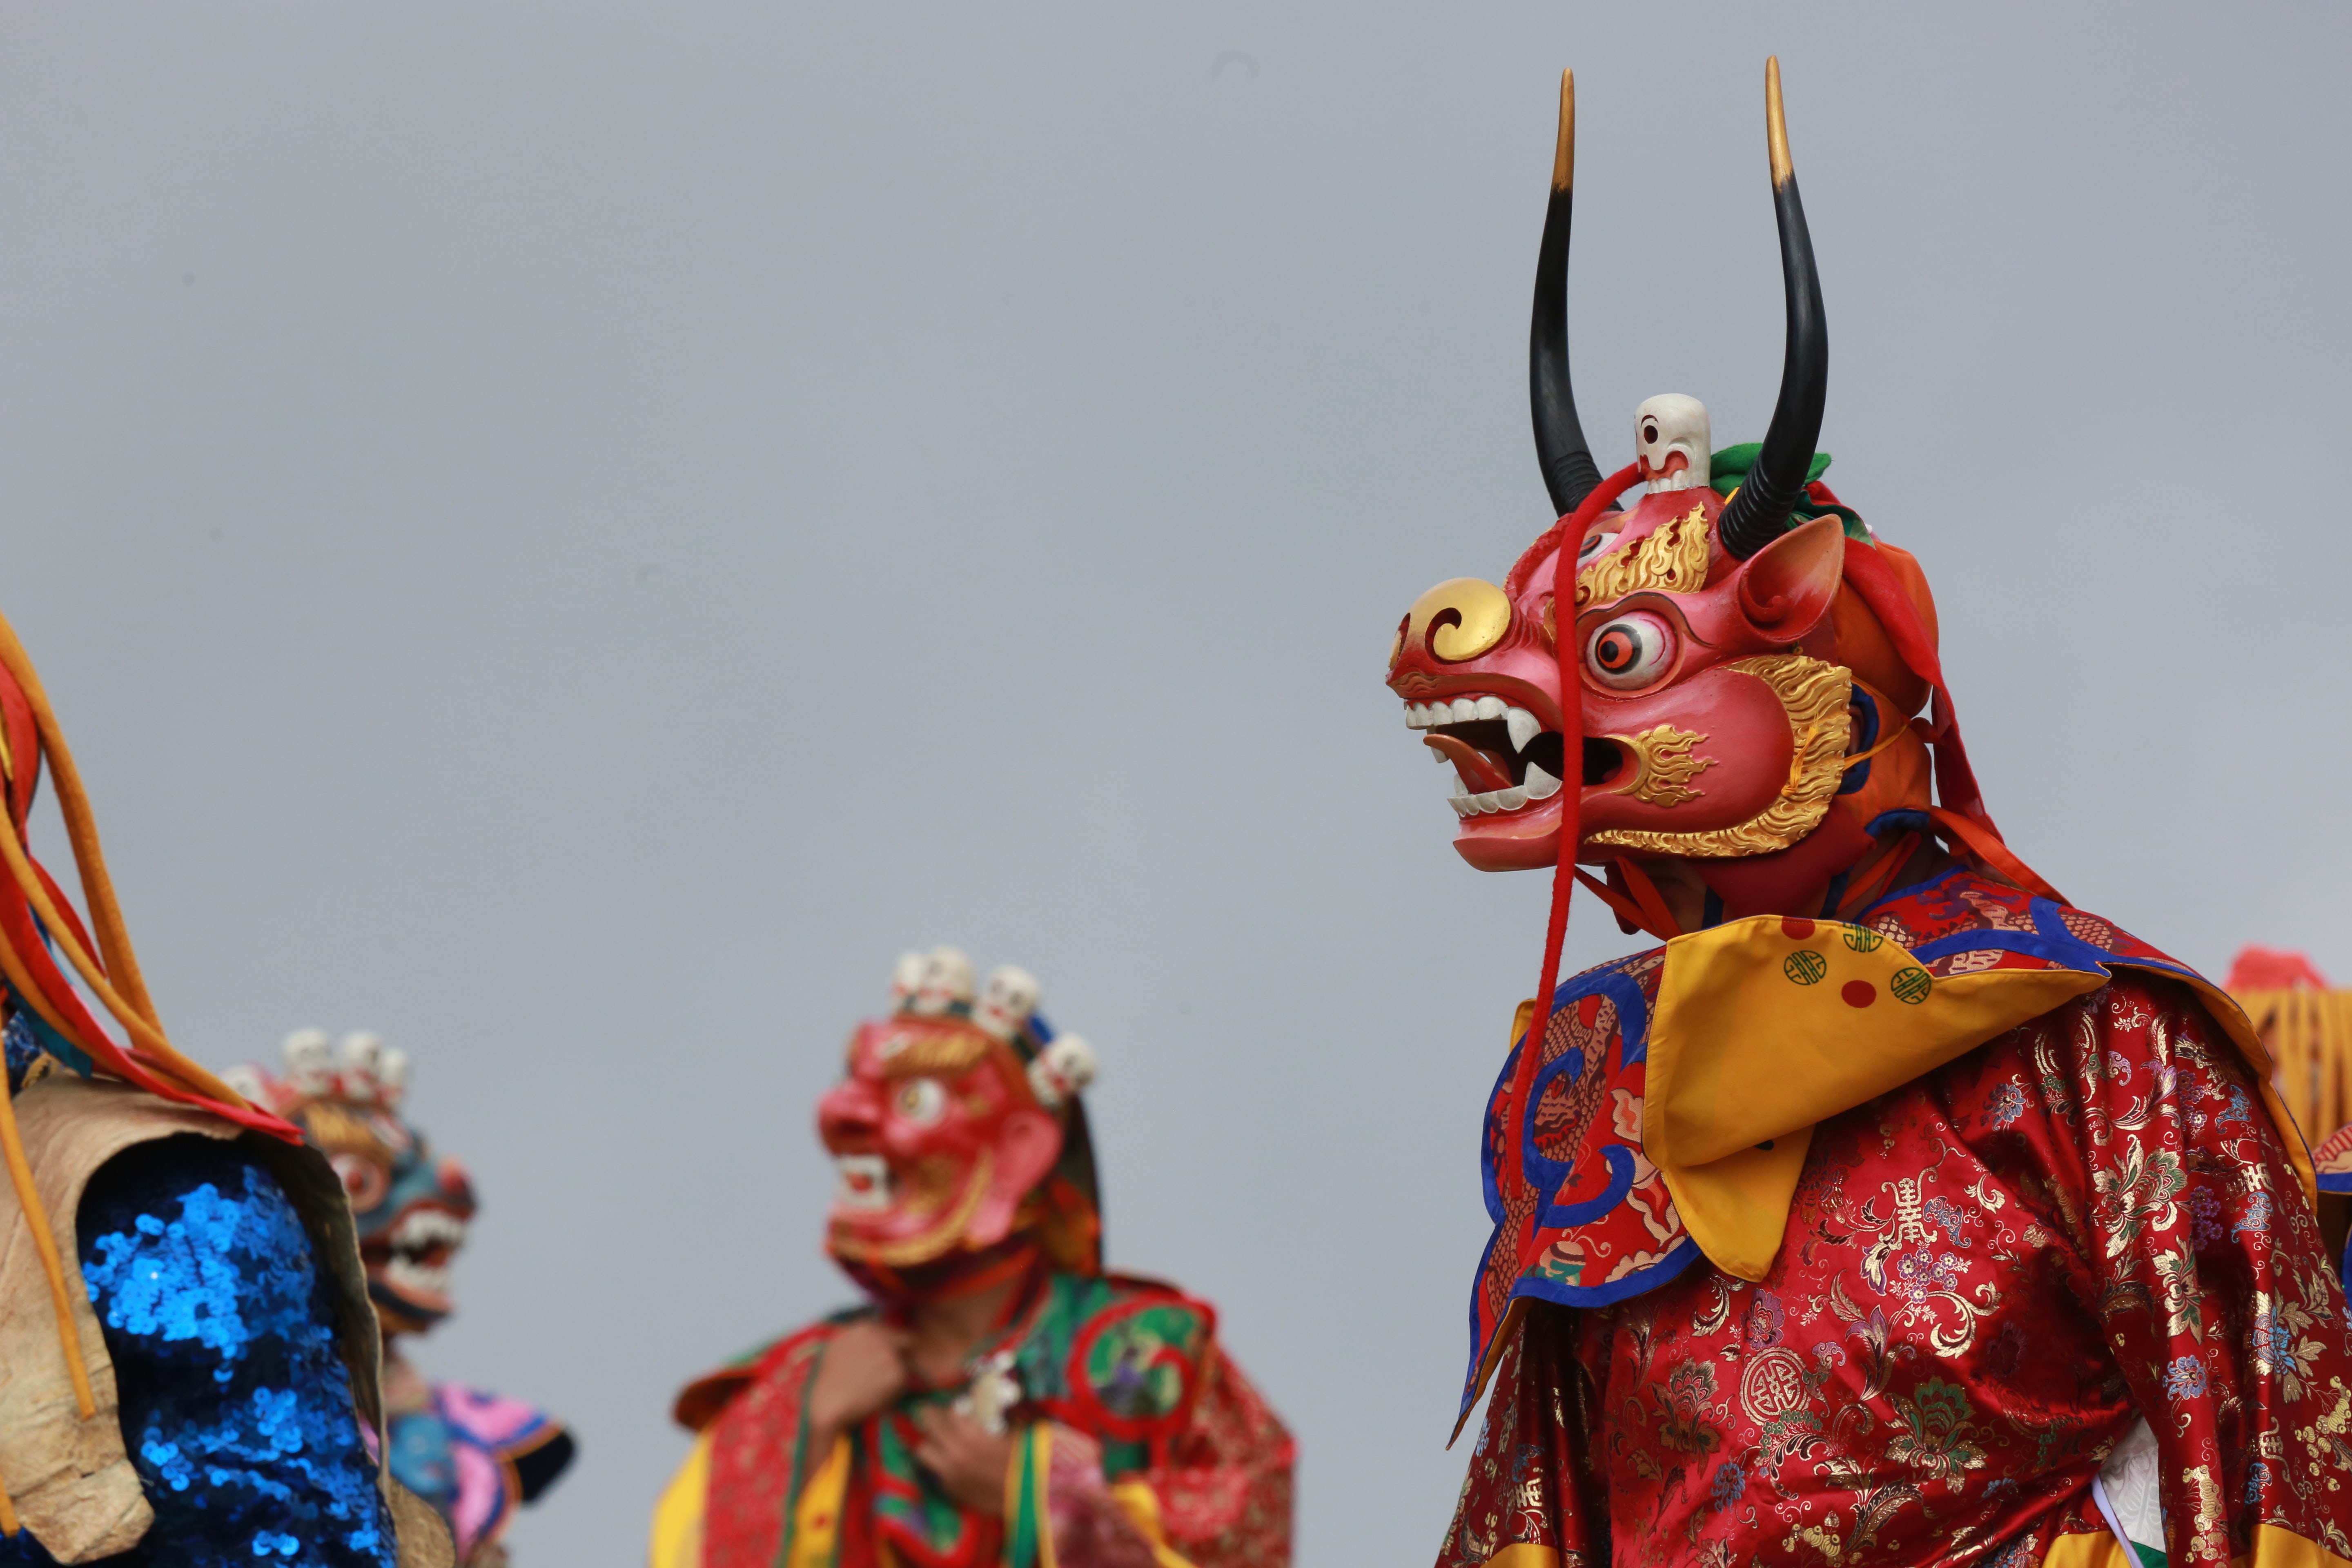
(970, 1462)
(865, 1368)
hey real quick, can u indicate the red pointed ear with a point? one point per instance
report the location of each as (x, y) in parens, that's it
(1786, 587)
(1027, 1144)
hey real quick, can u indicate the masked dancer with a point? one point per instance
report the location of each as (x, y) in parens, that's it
(1894, 1211)
(473, 1456)
(1002, 1402)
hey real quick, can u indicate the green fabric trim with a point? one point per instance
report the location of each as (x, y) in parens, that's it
(1728, 469)
(1023, 1529)
(2149, 1556)
(1730, 466)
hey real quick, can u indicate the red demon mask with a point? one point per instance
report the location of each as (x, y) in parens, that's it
(411, 1206)
(1736, 657)
(958, 1127)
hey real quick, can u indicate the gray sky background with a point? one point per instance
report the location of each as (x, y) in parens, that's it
(572, 534)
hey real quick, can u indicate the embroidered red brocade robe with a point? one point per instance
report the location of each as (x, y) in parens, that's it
(1987, 1276)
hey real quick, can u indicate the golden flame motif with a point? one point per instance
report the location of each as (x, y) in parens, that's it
(1663, 765)
(338, 1130)
(1815, 693)
(944, 1053)
(1671, 558)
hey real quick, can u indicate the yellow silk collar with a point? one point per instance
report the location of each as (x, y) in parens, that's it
(1766, 1027)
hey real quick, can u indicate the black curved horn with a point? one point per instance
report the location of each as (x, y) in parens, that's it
(1568, 471)
(1760, 511)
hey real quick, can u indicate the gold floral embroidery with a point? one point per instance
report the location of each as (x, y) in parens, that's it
(1937, 1420)
(2143, 1192)
(2277, 1351)
(2184, 1298)
(1822, 1538)
(2210, 1540)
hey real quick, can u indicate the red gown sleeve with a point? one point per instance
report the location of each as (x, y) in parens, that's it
(1529, 1482)
(1221, 1487)
(2205, 1266)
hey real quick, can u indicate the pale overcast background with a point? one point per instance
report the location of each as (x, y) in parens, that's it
(571, 534)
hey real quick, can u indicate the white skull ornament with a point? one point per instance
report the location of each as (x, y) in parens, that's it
(361, 1056)
(946, 983)
(390, 1077)
(905, 981)
(1007, 1001)
(309, 1061)
(249, 1081)
(1671, 442)
(1062, 1070)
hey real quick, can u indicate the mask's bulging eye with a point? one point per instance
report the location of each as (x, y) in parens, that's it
(1631, 651)
(921, 1100)
(364, 1181)
(1594, 543)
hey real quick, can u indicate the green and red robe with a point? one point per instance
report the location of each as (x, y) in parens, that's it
(1139, 1445)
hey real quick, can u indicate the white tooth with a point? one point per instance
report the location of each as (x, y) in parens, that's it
(410, 1276)
(1460, 782)
(1522, 725)
(1484, 802)
(1539, 784)
(1417, 717)
(1489, 708)
(1464, 709)
(1461, 805)
(875, 1194)
(1510, 799)
(1441, 756)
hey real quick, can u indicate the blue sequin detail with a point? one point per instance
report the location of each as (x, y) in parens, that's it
(196, 1277)
(21, 1048)
(237, 1409)
(27, 1038)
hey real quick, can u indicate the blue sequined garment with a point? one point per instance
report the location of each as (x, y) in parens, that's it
(17, 1044)
(237, 1408)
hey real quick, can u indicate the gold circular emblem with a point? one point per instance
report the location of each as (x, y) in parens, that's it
(1773, 1385)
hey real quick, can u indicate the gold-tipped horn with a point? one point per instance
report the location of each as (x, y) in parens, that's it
(1758, 512)
(1776, 128)
(1563, 157)
(1568, 471)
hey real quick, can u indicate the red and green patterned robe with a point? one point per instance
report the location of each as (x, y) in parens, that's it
(1141, 1446)
(1987, 1276)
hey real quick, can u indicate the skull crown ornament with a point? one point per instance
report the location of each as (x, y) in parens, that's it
(1670, 438)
